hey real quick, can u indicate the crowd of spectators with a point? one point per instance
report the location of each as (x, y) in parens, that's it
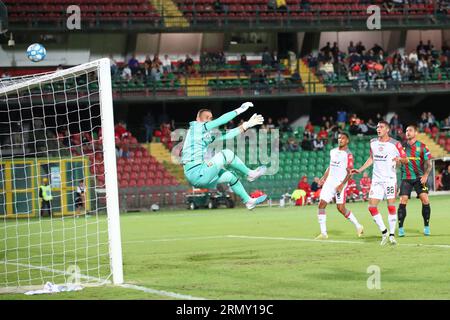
(371, 68)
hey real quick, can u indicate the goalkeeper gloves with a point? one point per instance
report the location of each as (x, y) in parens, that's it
(255, 120)
(244, 107)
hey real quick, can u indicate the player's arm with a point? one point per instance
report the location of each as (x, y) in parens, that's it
(402, 158)
(227, 117)
(255, 120)
(428, 166)
(324, 177)
(367, 164)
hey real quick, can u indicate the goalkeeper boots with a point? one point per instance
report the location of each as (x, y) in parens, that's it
(255, 174)
(426, 230)
(251, 204)
(401, 232)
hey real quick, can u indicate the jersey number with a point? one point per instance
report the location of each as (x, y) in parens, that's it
(390, 190)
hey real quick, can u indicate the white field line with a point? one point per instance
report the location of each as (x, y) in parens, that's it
(105, 281)
(446, 246)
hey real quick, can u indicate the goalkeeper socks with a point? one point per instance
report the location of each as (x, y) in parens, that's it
(322, 217)
(401, 212)
(238, 188)
(392, 218)
(426, 212)
(351, 217)
(233, 161)
(377, 218)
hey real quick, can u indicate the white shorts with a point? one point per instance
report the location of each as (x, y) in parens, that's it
(383, 190)
(328, 192)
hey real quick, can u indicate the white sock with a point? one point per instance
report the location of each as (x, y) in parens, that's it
(392, 223)
(352, 218)
(322, 217)
(379, 221)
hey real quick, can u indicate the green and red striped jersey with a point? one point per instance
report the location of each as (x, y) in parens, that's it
(417, 154)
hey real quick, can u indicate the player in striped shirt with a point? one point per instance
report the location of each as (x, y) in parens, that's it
(203, 173)
(414, 176)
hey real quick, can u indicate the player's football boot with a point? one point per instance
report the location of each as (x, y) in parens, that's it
(360, 231)
(401, 232)
(426, 230)
(392, 240)
(322, 237)
(384, 239)
(251, 204)
(255, 174)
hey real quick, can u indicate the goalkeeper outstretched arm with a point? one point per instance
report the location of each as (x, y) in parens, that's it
(227, 117)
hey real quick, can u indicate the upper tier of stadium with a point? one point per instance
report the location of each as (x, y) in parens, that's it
(224, 14)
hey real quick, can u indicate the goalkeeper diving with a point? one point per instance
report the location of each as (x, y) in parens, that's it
(209, 173)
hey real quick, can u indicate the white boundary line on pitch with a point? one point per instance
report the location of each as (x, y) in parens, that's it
(446, 246)
(105, 281)
(174, 239)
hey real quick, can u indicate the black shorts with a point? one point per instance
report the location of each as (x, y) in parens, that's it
(407, 186)
(78, 202)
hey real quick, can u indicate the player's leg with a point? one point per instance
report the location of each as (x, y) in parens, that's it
(405, 194)
(376, 194)
(392, 218)
(322, 218)
(340, 204)
(422, 191)
(227, 158)
(401, 212)
(230, 178)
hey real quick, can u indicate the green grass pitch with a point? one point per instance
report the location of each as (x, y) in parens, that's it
(269, 254)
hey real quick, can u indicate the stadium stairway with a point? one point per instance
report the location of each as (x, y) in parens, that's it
(435, 149)
(163, 155)
(311, 82)
(169, 10)
(197, 87)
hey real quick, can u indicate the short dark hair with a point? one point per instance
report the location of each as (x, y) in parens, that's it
(201, 111)
(414, 126)
(345, 134)
(385, 123)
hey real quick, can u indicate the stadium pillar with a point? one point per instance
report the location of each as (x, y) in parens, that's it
(311, 42)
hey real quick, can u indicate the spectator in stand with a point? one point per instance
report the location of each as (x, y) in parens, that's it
(120, 130)
(133, 64)
(372, 127)
(365, 183)
(351, 48)
(396, 78)
(127, 74)
(363, 128)
(189, 65)
(149, 125)
(423, 123)
(327, 71)
(155, 73)
(423, 67)
(446, 179)
(309, 128)
(275, 60)
(395, 124)
(147, 72)
(167, 64)
(148, 59)
(352, 191)
(266, 58)
(114, 67)
(431, 120)
(292, 145)
(341, 119)
(245, 65)
(315, 189)
(269, 125)
(304, 185)
(306, 144)
(323, 134)
(318, 144)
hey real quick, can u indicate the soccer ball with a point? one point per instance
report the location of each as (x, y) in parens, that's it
(36, 52)
(155, 207)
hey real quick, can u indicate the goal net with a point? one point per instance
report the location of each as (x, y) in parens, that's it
(59, 212)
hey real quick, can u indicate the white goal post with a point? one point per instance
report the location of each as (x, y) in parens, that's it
(57, 149)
